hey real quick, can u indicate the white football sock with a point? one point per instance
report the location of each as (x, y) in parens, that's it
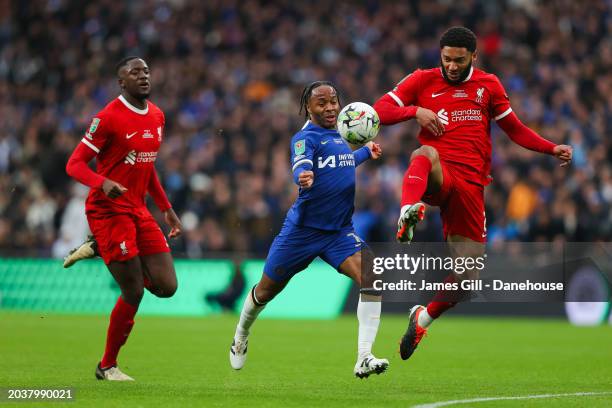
(368, 314)
(249, 313)
(424, 319)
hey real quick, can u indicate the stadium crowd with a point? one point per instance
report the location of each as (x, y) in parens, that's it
(228, 75)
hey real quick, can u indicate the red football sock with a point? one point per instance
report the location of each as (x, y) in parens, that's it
(415, 180)
(444, 299)
(121, 322)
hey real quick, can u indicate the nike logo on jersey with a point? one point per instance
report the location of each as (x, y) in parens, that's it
(435, 95)
(416, 177)
(130, 135)
(324, 142)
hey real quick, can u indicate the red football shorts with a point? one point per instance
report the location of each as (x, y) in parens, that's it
(123, 236)
(461, 206)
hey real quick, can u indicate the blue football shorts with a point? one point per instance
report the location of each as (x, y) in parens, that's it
(295, 247)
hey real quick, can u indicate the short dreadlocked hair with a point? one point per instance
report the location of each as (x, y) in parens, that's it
(307, 92)
(459, 37)
(123, 62)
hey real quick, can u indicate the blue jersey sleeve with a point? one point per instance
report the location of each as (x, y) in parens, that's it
(362, 154)
(302, 152)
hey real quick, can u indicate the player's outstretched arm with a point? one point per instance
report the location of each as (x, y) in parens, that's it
(375, 150)
(370, 150)
(527, 138)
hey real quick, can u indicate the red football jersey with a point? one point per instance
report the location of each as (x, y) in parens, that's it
(126, 140)
(465, 109)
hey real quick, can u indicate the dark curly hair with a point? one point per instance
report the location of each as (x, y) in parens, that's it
(308, 91)
(460, 37)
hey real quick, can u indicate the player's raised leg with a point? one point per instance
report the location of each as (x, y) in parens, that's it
(368, 315)
(88, 249)
(424, 175)
(128, 275)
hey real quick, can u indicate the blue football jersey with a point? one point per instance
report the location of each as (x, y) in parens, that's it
(329, 203)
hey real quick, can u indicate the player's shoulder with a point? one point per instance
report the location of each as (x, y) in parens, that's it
(422, 74)
(307, 132)
(110, 109)
(485, 77)
(154, 108)
(429, 73)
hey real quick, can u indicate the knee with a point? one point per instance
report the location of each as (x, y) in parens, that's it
(428, 151)
(166, 290)
(263, 295)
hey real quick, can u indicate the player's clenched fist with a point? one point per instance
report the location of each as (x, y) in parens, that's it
(375, 150)
(306, 178)
(112, 189)
(430, 121)
(563, 153)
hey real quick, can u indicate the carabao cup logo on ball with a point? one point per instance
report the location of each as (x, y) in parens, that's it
(358, 123)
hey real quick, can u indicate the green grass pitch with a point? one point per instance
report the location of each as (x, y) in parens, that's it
(184, 362)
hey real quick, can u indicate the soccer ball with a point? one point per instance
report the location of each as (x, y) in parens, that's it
(358, 123)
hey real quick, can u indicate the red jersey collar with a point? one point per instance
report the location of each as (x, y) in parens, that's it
(133, 108)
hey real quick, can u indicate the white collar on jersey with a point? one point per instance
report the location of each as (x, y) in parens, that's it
(306, 124)
(133, 108)
(466, 79)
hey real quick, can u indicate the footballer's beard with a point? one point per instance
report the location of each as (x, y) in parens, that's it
(461, 78)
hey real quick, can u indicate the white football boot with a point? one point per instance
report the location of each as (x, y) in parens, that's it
(238, 352)
(370, 365)
(112, 373)
(86, 250)
(410, 215)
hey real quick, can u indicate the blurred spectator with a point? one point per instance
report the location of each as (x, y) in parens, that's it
(228, 75)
